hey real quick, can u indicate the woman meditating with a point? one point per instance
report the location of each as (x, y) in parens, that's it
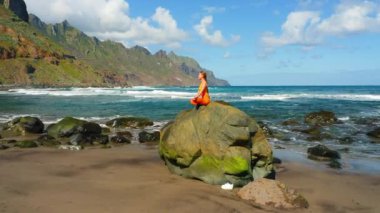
(202, 98)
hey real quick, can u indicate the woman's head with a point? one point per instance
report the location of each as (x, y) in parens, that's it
(202, 74)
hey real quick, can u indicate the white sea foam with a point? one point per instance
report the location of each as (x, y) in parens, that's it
(174, 93)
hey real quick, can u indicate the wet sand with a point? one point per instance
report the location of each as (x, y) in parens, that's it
(132, 178)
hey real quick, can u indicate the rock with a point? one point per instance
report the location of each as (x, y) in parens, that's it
(319, 137)
(276, 160)
(26, 144)
(334, 164)
(290, 122)
(314, 130)
(216, 144)
(321, 152)
(102, 139)
(145, 136)
(75, 131)
(268, 132)
(3, 147)
(374, 133)
(321, 118)
(22, 126)
(106, 130)
(346, 140)
(118, 139)
(126, 134)
(132, 122)
(49, 141)
(18, 7)
(272, 193)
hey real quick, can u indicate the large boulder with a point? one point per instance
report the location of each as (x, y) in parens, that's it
(216, 144)
(145, 136)
(273, 194)
(21, 126)
(131, 122)
(18, 7)
(321, 118)
(75, 131)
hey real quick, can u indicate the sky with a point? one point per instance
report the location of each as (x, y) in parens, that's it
(247, 42)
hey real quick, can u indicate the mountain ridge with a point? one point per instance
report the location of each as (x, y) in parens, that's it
(40, 54)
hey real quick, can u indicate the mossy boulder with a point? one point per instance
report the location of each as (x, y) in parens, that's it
(321, 118)
(21, 126)
(131, 122)
(75, 131)
(216, 144)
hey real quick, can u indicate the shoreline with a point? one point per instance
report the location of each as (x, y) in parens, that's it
(134, 178)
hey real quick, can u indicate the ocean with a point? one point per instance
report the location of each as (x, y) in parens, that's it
(357, 107)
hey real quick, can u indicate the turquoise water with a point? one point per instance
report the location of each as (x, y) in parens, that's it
(351, 104)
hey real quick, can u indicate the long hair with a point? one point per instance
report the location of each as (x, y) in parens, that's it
(204, 74)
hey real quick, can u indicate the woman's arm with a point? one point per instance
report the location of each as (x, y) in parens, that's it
(203, 88)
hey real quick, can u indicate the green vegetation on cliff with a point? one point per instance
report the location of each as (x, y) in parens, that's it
(41, 54)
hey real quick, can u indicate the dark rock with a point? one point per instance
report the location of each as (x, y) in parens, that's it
(290, 122)
(46, 140)
(314, 130)
(118, 139)
(321, 152)
(3, 147)
(106, 130)
(26, 144)
(334, 164)
(133, 122)
(319, 137)
(321, 118)
(367, 121)
(145, 136)
(102, 139)
(216, 144)
(77, 131)
(346, 140)
(268, 132)
(374, 133)
(276, 160)
(22, 125)
(126, 134)
(18, 7)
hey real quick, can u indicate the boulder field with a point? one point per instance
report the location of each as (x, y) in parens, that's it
(216, 144)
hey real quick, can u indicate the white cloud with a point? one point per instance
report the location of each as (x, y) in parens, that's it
(110, 19)
(216, 37)
(308, 28)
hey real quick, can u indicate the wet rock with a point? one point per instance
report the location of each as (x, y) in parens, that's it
(290, 122)
(321, 118)
(322, 153)
(367, 121)
(46, 140)
(346, 140)
(102, 139)
(314, 130)
(3, 147)
(319, 137)
(272, 193)
(119, 139)
(276, 160)
(374, 133)
(268, 132)
(126, 134)
(74, 131)
(145, 136)
(131, 122)
(21, 126)
(334, 164)
(106, 130)
(26, 144)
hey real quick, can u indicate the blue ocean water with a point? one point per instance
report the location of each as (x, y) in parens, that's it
(358, 107)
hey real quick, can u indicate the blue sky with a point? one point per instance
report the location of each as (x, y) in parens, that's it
(247, 42)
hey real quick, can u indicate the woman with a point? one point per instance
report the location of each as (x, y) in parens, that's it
(202, 98)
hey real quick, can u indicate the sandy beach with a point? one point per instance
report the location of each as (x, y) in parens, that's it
(132, 178)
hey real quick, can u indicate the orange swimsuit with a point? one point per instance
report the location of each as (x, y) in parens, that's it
(204, 99)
